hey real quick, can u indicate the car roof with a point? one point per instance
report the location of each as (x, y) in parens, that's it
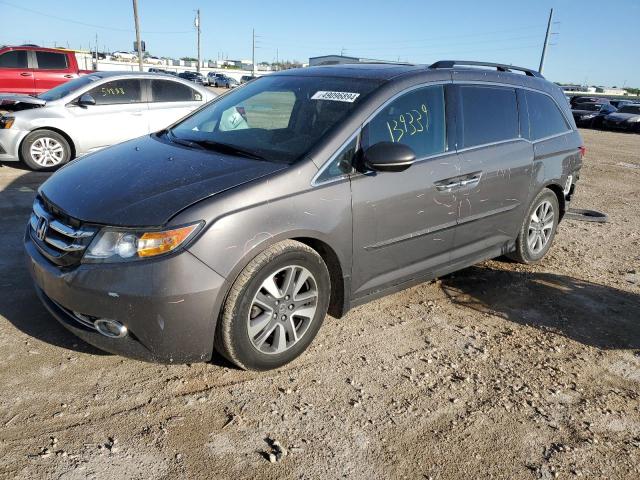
(391, 71)
(378, 71)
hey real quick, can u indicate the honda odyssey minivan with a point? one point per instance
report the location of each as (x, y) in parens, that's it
(302, 193)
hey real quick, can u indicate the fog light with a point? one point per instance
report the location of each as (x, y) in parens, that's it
(110, 328)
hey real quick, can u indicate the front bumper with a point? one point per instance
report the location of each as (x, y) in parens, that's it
(168, 305)
(10, 140)
(623, 125)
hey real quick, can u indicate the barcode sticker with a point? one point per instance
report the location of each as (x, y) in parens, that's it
(336, 96)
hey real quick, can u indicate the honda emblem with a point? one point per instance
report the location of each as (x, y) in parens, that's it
(41, 228)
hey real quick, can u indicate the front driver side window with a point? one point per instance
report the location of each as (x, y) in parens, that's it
(415, 119)
(117, 91)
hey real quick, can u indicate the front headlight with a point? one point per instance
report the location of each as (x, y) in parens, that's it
(119, 245)
(589, 115)
(634, 119)
(6, 122)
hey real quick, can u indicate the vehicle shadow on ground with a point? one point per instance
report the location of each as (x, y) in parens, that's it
(19, 304)
(592, 314)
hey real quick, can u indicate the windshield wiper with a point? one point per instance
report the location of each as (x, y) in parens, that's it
(181, 141)
(227, 148)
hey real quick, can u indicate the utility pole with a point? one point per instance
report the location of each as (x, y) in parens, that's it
(96, 66)
(546, 41)
(253, 54)
(198, 30)
(138, 42)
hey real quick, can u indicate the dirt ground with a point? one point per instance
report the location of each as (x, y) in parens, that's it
(497, 371)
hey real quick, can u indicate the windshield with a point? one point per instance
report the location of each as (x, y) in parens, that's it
(67, 88)
(630, 109)
(590, 107)
(275, 118)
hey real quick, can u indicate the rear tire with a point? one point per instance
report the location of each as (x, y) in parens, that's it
(275, 307)
(538, 229)
(44, 150)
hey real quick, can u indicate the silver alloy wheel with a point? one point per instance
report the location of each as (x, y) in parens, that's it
(540, 227)
(282, 309)
(47, 152)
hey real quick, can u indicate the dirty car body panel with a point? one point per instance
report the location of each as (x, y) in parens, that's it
(377, 231)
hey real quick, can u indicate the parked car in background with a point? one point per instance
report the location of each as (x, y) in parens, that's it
(32, 70)
(222, 80)
(90, 113)
(580, 99)
(620, 103)
(626, 118)
(589, 114)
(195, 77)
(305, 191)
(153, 60)
(246, 78)
(163, 71)
(124, 56)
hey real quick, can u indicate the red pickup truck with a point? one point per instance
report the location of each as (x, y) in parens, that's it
(33, 70)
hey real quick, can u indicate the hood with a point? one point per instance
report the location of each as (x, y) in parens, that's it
(621, 116)
(580, 113)
(14, 102)
(146, 181)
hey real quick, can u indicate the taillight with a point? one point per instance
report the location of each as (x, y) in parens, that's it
(583, 151)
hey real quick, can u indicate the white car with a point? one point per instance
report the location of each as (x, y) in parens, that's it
(153, 60)
(90, 113)
(124, 55)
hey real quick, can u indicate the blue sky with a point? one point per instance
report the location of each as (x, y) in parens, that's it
(597, 41)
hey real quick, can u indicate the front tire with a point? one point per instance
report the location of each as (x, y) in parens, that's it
(275, 307)
(538, 229)
(45, 150)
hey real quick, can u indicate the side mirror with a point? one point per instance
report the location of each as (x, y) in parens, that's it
(86, 100)
(389, 157)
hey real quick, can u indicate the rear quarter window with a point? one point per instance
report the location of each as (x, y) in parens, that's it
(489, 114)
(545, 118)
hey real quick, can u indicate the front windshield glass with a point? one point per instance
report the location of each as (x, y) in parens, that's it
(630, 109)
(275, 118)
(67, 88)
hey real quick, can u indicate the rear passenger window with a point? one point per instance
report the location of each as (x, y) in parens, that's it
(545, 118)
(51, 61)
(489, 114)
(117, 91)
(416, 119)
(14, 59)
(167, 91)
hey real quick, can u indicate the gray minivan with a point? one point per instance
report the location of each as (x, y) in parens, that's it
(303, 192)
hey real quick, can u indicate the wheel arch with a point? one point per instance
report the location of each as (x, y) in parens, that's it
(559, 192)
(66, 136)
(337, 301)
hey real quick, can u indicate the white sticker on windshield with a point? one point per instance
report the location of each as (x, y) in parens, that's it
(336, 96)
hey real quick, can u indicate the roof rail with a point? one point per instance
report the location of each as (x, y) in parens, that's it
(498, 66)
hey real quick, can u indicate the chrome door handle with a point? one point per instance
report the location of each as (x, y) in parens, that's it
(447, 186)
(470, 181)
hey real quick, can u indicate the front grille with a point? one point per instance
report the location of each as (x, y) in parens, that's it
(59, 237)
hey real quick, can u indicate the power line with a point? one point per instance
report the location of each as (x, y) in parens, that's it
(92, 25)
(337, 43)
